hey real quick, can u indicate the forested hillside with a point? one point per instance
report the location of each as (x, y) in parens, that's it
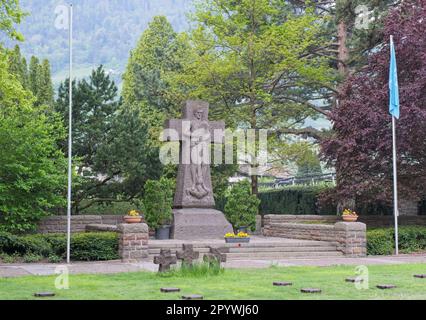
(104, 30)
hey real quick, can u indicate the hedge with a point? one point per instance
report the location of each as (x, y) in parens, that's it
(297, 200)
(382, 241)
(84, 246)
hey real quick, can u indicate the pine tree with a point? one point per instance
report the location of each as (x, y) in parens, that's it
(18, 66)
(45, 91)
(109, 142)
(34, 76)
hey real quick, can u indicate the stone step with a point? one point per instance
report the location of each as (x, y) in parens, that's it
(260, 250)
(273, 244)
(277, 255)
(282, 255)
(284, 249)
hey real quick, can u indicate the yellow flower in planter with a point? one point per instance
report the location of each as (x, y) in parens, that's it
(243, 235)
(348, 212)
(134, 213)
(230, 235)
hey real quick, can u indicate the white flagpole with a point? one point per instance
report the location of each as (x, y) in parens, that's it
(395, 178)
(395, 186)
(69, 140)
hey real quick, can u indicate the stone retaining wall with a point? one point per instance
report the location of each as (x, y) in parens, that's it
(349, 237)
(370, 221)
(58, 224)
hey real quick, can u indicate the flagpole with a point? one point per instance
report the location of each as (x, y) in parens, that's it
(69, 139)
(395, 185)
(395, 170)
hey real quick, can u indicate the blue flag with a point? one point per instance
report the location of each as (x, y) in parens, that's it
(393, 83)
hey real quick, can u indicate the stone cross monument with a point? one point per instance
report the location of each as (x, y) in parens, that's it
(194, 214)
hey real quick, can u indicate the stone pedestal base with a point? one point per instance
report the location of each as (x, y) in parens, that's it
(197, 223)
(133, 242)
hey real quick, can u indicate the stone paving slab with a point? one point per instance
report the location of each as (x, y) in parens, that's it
(112, 267)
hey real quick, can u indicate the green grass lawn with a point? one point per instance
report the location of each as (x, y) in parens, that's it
(232, 284)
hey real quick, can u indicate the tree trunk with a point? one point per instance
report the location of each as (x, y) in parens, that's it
(342, 34)
(343, 57)
(254, 185)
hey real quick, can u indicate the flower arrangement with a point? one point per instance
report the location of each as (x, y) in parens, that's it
(133, 216)
(134, 213)
(349, 215)
(348, 212)
(239, 235)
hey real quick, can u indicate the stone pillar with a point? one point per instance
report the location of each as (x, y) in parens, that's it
(351, 238)
(133, 245)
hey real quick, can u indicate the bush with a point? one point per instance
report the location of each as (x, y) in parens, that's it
(241, 206)
(84, 246)
(32, 258)
(158, 202)
(6, 258)
(382, 241)
(94, 246)
(54, 259)
(22, 245)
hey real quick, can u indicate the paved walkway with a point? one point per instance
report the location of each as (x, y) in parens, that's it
(111, 267)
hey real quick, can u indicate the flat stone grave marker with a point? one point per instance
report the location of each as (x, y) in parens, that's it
(165, 260)
(420, 276)
(282, 284)
(193, 297)
(354, 280)
(187, 255)
(44, 294)
(386, 286)
(170, 290)
(311, 290)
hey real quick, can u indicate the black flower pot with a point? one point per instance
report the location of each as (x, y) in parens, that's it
(242, 229)
(163, 233)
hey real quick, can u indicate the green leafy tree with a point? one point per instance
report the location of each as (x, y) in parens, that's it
(260, 65)
(10, 15)
(110, 143)
(32, 168)
(242, 206)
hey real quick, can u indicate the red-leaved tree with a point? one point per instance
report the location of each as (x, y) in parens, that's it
(361, 146)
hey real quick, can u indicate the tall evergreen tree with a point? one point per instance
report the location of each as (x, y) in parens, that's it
(148, 83)
(109, 143)
(18, 66)
(34, 76)
(45, 91)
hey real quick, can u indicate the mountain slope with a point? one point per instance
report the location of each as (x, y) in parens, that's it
(104, 31)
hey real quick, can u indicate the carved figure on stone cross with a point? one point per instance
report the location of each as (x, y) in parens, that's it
(200, 139)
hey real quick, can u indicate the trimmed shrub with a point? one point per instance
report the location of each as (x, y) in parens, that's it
(296, 200)
(94, 246)
(382, 241)
(84, 246)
